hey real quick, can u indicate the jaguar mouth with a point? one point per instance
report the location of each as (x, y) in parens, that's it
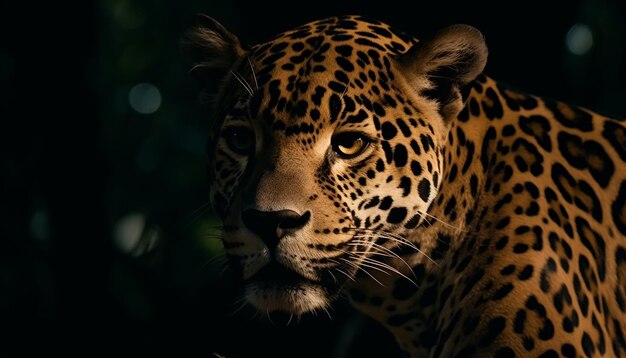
(275, 274)
(277, 288)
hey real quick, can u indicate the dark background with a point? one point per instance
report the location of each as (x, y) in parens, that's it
(84, 172)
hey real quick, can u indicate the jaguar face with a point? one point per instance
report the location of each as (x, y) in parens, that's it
(325, 152)
(303, 211)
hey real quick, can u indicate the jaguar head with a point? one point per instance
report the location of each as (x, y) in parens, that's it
(326, 147)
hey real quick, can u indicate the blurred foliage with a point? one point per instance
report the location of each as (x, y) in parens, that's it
(103, 144)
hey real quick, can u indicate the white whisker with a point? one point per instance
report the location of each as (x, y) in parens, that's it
(365, 263)
(256, 84)
(440, 221)
(267, 311)
(385, 233)
(333, 276)
(357, 267)
(243, 82)
(343, 272)
(397, 240)
(370, 252)
(200, 65)
(371, 261)
(327, 313)
(392, 237)
(388, 253)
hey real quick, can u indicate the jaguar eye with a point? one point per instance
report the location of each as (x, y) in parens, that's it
(240, 140)
(349, 144)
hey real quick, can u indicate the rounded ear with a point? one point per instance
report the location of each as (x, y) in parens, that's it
(209, 48)
(439, 67)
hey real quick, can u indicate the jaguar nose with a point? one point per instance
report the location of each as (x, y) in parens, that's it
(272, 226)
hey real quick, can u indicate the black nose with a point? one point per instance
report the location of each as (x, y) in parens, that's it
(272, 226)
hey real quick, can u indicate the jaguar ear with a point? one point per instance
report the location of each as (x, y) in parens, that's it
(210, 50)
(441, 66)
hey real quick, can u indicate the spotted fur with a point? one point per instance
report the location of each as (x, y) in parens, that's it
(474, 220)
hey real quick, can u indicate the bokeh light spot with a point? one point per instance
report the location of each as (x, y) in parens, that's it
(144, 98)
(579, 39)
(132, 235)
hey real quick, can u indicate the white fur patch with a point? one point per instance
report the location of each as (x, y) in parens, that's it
(296, 300)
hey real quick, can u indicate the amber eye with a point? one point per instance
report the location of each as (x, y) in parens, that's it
(349, 144)
(240, 140)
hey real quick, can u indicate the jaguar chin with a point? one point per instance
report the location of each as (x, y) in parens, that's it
(295, 298)
(277, 288)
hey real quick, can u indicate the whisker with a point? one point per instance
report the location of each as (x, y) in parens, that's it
(393, 237)
(366, 263)
(371, 261)
(442, 222)
(401, 241)
(343, 272)
(387, 233)
(377, 265)
(269, 318)
(200, 65)
(362, 269)
(369, 252)
(327, 313)
(256, 84)
(391, 254)
(223, 270)
(333, 276)
(246, 84)
(243, 82)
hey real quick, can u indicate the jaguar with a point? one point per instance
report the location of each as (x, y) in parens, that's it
(349, 159)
